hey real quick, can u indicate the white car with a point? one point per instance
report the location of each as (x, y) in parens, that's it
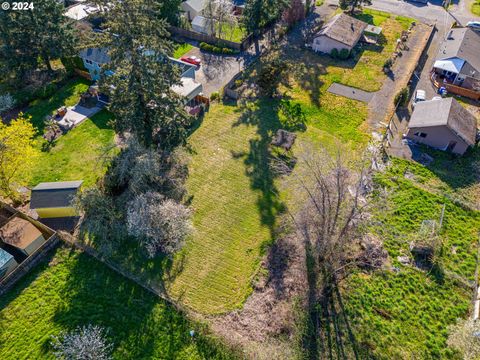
(420, 95)
(474, 25)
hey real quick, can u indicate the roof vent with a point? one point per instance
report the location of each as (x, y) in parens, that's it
(351, 26)
(450, 35)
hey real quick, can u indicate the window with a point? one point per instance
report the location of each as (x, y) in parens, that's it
(89, 62)
(421, 134)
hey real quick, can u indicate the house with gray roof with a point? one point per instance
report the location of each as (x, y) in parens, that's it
(457, 66)
(193, 8)
(341, 32)
(443, 124)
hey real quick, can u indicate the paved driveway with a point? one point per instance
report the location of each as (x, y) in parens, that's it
(216, 70)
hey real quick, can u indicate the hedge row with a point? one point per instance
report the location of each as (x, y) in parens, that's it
(217, 49)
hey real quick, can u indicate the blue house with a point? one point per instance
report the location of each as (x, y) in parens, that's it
(93, 60)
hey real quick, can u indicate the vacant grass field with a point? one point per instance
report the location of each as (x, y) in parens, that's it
(78, 154)
(233, 190)
(73, 290)
(405, 314)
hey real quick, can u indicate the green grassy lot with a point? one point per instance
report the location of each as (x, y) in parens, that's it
(181, 49)
(406, 314)
(77, 154)
(73, 290)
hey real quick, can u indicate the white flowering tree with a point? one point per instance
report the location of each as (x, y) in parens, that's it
(6, 102)
(161, 224)
(84, 343)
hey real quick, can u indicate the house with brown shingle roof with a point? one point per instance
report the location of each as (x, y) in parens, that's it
(341, 32)
(443, 124)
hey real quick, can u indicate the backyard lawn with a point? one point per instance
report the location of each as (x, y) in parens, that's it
(74, 290)
(75, 155)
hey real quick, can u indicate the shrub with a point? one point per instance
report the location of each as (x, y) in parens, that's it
(401, 98)
(215, 96)
(84, 343)
(344, 54)
(388, 63)
(271, 74)
(217, 49)
(334, 53)
(162, 225)
(7, 102)
(45, 91)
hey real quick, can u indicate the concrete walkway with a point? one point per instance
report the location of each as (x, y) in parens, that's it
(350, 92)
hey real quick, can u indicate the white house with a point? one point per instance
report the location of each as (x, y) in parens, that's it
(341, 32)
(193, 8)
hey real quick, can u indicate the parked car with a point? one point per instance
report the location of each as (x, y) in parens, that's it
(420, 95)
(474, 25)
(191, 60)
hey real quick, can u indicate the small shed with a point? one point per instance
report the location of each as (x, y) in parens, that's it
(22, 235)
(202, 25)
(7, 263)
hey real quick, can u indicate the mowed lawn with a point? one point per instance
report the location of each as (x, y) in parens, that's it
(236, 198)
(74, 289)
(77, 154)
(80, 154)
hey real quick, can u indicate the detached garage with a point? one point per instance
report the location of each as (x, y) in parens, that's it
(21, 235)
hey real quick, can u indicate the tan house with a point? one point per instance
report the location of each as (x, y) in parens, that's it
(457, 66)
(22, 235)
(341, 32)
(443, 124)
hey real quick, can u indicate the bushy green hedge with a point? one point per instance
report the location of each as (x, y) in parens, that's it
(217, 49)
(343, 54)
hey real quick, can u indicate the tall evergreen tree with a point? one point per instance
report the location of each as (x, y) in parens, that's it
(39, 34)
(260, 13)
(170, 11)
(140, 86)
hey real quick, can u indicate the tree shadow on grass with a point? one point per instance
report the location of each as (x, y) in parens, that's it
(258, 160)
(458, 172)
(140, 325)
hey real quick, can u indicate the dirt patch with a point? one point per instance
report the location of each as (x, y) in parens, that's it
(269, 313)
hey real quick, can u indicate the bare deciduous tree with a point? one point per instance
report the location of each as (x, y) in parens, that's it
(84, 343)
(222, 19)
(335, 198)
(161, 224)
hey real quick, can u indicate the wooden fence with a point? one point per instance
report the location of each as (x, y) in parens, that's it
(242, 46)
